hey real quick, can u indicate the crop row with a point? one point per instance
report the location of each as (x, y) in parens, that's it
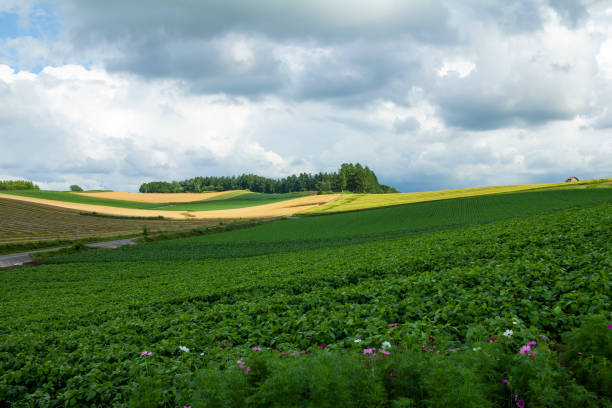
(76, 331)
(356, 227)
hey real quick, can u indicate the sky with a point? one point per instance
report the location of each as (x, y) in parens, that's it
(430, 95)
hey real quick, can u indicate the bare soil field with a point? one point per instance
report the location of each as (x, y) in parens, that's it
(157, 197)
(278, 209)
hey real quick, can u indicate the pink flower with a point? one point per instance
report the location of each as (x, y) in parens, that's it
(424, 348)
(240, 364)
(390, 376)
(369, 350)
(223, 346)
(451, 350)
(146, 353)
(322, 346)
(392, 324)
(532, 343)
(492, 339)
(580, 353)
(519, 402)
(525, 349)
(381, 351)
(438, 352)
(257, 348)
(303, 351)
(186, 406)
(507, 383)
(610, 327)
(248, 369)
(532, 355)
(283, 354)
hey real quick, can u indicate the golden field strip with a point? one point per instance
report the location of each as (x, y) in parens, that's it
(354, 202)
(160, 198)
(278, 209)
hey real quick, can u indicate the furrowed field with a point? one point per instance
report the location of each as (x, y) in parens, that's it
(24, 222)
(492, 301)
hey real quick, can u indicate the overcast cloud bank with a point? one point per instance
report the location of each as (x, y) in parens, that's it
(113, 94)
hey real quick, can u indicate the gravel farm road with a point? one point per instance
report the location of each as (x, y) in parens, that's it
(7, 261)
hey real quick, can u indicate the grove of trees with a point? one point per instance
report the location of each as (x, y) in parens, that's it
(17, 185)
(350, 177)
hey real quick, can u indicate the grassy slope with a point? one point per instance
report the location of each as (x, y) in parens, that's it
(222, 202)
(352, 202)
(353, 227)
(75, 198)
(76, 330)
(227, 201)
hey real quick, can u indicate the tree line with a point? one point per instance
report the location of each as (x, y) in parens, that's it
(350, 177)
(17, 185)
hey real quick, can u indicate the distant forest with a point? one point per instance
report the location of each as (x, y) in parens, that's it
(350, 177)
(17, 185)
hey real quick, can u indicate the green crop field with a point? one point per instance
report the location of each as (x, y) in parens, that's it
(479, 302)
(26, 222)
(355, 227)
(230, 201)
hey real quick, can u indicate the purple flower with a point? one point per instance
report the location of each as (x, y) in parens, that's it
(392, 324)
(451, 350)
(369, 350)
(507, 383)
(492, 339)
(381, 351)
(532, 343)
(519, 402)
(303, 351)
(610, 327)
(257, 348)
(146, 353)
(201, 354)
(322, 346)
(438, 352)
(248, 369)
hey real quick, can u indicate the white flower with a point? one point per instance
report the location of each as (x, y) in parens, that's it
(386, 345)
(357, 340)
(508, 333)
(476, 348)
(515, 322)
(183, 348)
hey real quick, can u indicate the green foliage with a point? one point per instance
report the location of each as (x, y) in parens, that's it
(349, 178)
(588, 352)
(75, 332)
(17, 185)
(75, 188)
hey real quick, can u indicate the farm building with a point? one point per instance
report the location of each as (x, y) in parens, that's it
(569, 180)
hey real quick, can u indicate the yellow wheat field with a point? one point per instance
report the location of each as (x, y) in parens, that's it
(159, 197)
(352, 202)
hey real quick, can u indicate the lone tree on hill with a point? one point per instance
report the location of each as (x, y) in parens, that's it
(74, 187)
